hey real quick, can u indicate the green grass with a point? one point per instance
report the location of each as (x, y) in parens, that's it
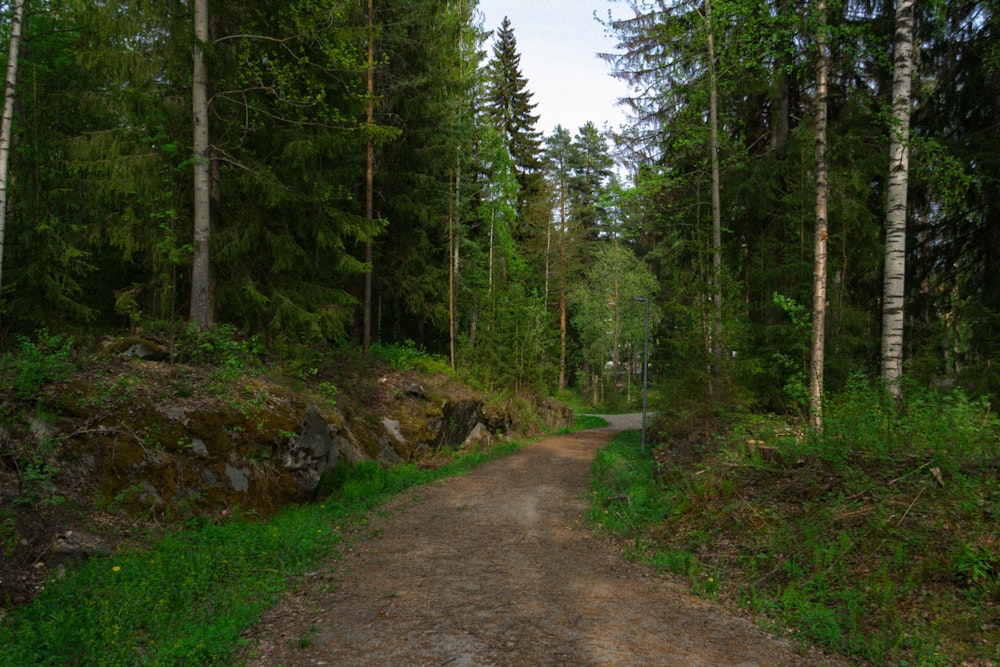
(186, 600)
(878, 539)
(581, 403)
(583, 422)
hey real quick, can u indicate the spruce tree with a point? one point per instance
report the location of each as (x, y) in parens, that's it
(510, 107)
(591, 172)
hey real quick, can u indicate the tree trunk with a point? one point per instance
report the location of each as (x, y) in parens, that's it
(366, 335)
(201, 310)
(895, 216)
(563, 240)
(713, 117)
(820, 269)
(452, 267)
(493, 215)
(10, 84)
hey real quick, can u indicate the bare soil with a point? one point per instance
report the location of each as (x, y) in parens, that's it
(498, 567)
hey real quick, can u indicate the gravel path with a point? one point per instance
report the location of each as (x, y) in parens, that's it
(498, 567)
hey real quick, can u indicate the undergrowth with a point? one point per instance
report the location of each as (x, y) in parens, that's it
(187, 599)
(407, 356)
(878, 539)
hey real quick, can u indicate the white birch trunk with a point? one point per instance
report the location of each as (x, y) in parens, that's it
(816, 362)
(895, 215)
(201, 311)
(10, 84)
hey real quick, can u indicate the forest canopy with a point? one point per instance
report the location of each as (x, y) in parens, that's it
(329, 173)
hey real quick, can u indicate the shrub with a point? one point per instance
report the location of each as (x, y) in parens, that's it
(35, 364)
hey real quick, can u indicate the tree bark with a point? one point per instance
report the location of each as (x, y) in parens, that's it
(6, 126)
(563, 240)
(895, 216)
(713, 116)
(201, 311)
(452, 266)
(366, 336)
(819, 264)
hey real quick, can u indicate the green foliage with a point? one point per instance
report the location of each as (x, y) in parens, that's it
(34, 364)
(508, 103)
(584, 422)
(790, 364)
(221, 345)
(876, 538)
(406, 356)
(609, 320)
(9, 535)
(626, 499)
(188, 598)
(37, 486)
(944, 427)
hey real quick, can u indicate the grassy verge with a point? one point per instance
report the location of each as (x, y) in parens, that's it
(185, 600)
(586, 422)
(879, 539)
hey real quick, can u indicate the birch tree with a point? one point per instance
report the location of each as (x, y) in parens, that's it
(895, 214)
(820, 265)
(10, 84)
(201, 303)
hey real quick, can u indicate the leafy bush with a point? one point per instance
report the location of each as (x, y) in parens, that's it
(35, 364)
(224, 346)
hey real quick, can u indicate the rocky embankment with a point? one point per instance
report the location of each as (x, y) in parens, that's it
(134, 441)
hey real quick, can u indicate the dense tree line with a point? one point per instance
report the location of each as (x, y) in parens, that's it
(764, 69)
(372, 170)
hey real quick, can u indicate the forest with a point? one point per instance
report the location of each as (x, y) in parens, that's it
(792, 238)
(803, 191)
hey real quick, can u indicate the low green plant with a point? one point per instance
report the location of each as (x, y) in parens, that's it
(582, 422)
(328, 391)
(876, 538)
(37, 485)
(188, 599)
(976, 564)
(679, 562)
(9, 535)
(36, 363)
(224, 346)
(626, 499)
(109, 393)
(407, 356)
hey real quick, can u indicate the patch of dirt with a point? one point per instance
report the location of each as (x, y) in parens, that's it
(498, 567)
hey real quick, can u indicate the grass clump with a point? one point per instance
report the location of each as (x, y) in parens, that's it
(187, 599)
(878, 538)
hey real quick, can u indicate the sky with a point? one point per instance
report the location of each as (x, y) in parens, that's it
(558, 41)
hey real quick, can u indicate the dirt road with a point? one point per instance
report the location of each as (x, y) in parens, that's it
(498, 568)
